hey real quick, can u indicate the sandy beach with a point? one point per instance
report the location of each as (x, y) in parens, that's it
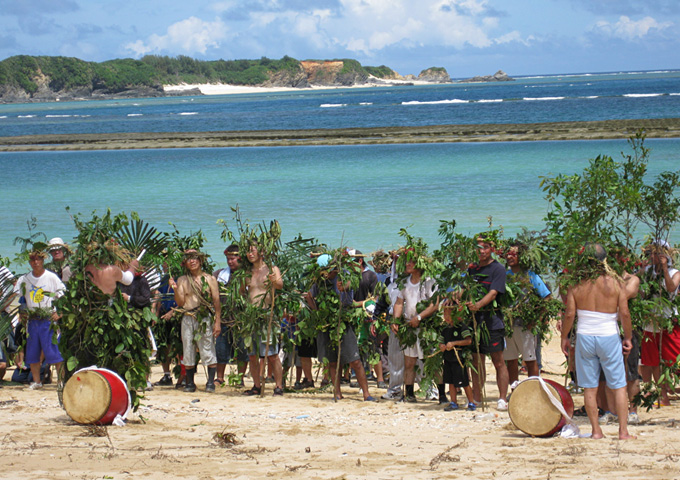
(595, 130)
(307, 435)
(225, 89)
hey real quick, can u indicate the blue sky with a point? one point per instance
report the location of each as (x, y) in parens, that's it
(467, 37)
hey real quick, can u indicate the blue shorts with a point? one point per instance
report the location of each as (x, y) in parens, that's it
(599, 353)
(40, 338)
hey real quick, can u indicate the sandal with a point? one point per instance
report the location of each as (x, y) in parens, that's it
(252, 392)
(581, 412)
(219, 382)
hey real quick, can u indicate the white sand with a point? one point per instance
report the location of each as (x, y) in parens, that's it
(308, 436)
(224, 89)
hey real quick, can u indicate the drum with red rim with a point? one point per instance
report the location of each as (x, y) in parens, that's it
(96, 396)
(531, 410)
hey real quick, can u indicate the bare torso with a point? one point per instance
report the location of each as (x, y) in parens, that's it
(259, 284)
(105, 277)
(190, 295)
(599, 295)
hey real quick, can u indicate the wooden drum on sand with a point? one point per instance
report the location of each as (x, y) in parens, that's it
(96, 396)
(531, 410)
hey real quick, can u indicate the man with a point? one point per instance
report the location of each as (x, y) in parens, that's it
(349, 348)
(522, 342)
(59, 264)
(138, 296)
(7, 295)
(491, 276)
(600, 301)
(367, 286)
(197, 294)
(632, 286)
(659, 345)
(415, 290)
(260, 285)
(226, 344)
(40, 288)
(166, 329)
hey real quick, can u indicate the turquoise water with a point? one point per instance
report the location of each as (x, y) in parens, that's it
(526, 100)
(359, 196)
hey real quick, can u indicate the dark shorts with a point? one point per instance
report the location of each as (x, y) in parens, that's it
(39, 338)
(349, 349)
(633, 360)
(495, 342)
(227, 348)
(455, 374)
(223, 345)
(307, 349)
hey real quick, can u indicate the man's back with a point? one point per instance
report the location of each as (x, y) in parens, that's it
(599, 295)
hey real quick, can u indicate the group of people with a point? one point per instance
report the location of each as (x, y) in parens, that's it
(195, 306)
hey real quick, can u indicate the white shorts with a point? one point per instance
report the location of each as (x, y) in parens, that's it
(205, 342)
(521, 343)
(414, 351)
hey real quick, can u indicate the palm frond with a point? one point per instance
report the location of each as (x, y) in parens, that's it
(139, 235)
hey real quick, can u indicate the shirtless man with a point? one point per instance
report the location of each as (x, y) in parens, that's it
(106, 277)
(198, 295)
(259, 285)
(600, 301)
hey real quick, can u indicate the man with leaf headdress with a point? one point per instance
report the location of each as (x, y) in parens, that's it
(198, 297)
(490, 275)
(40, 288)
(261, 284)
(600, 300)
(414, 305)
(523, 341)
(661, 336)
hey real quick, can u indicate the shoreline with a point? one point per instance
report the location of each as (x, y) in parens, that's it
(593, 130)
(226, 89)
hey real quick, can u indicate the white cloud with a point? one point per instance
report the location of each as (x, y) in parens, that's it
(372, 25)
(514, 37)
(628, 29)
(189, 36)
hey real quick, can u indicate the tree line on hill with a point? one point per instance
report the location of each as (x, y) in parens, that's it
(25, 76)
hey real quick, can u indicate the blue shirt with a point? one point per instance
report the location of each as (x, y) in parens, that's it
(537, 282)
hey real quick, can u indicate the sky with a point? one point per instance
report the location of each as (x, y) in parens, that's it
(467, 37)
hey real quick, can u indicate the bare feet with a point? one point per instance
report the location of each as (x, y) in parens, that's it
(597, 436)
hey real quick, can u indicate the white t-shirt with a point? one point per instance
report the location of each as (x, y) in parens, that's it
(41, 291)
(412, 293)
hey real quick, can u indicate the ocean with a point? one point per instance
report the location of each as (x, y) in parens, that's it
(359, 196)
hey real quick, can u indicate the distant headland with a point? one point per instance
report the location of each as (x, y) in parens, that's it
(25, 78)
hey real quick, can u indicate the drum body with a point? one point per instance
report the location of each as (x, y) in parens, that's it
(531, 410)
(96, 396)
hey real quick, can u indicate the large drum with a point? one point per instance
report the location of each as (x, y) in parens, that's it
(531, 410)
(96, 396)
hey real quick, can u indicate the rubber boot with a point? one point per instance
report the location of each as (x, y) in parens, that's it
(190, 385)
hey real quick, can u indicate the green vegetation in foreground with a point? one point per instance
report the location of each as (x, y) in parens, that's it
(66, 73)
